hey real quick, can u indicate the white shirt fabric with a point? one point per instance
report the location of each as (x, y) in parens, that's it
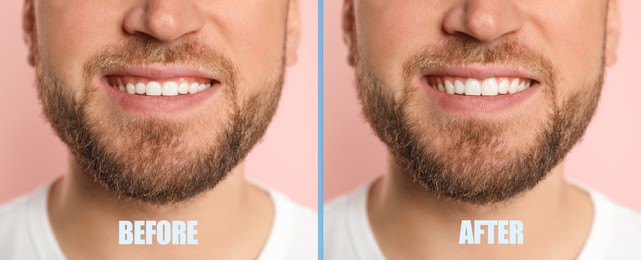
(25, 233)
(615, 231)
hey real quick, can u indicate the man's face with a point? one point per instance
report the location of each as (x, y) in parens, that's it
(159, 100)
(478, 100)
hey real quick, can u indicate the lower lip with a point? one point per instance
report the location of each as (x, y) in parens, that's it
(480, 104)
(157, 104)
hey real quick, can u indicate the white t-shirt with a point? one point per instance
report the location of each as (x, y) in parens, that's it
(615, 232)
(25, 233)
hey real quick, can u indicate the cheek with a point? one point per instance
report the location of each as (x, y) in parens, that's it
(68, 33)
(256, 37)
(575, 45)
(579, 68)
(389, 33)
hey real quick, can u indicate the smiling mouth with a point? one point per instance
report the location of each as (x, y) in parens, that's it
(490, 86)
(135, 85)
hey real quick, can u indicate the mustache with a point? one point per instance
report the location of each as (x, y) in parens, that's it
(141, 51)
(463, 51)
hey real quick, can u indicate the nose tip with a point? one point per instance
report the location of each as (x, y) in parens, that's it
(483, 20)
(163, 26)
(483, 26)
(165, 21)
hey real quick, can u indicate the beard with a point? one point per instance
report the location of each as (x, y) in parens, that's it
(472, 159)
(156, 160)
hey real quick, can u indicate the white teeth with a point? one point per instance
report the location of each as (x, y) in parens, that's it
(140, 88)
(183, 88)
(440, 86)
(472, 87)
(131, 89)
(449, 87)
(153, 89)
(490, 87)
(514, 87)
(459, 87)
(485, 87)
(193, 88)
(504, 84)
(170, 88)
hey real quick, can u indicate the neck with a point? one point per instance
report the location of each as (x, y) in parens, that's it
(233, 217)
(555, 215)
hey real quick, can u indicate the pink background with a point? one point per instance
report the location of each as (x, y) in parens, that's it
(31, 155)
(608, 158)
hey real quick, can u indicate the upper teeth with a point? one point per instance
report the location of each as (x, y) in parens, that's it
(169, 88)
(476, 87)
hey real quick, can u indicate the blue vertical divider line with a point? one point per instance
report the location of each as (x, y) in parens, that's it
(320, 130)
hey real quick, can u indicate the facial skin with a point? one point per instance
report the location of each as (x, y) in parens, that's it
(479, 149)
(160, 149)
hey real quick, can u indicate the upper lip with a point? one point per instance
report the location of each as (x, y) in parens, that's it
(481, 72)
(157, 71)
